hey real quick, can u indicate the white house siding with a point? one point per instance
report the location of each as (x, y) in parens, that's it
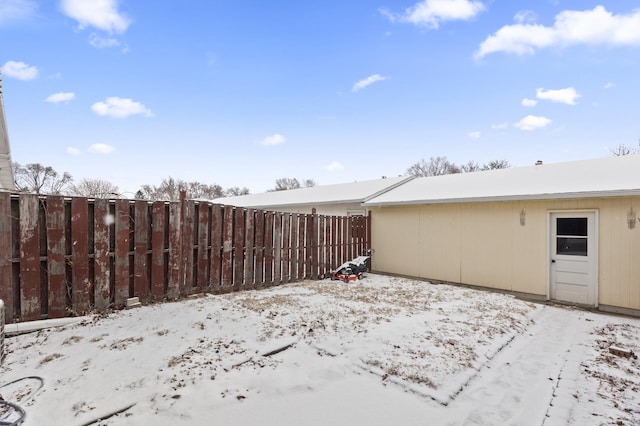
(484, 244)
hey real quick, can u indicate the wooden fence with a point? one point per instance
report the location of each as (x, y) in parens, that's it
(67, 256)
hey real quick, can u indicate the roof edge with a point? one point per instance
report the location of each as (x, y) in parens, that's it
(387, 189)
(530, 197)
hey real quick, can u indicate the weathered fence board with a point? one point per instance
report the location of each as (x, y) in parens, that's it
(158, 243)
(216, 246)
(238, 249)
(268, 247)
(30, 296)
(249, 241)
(122, 220)
(65, 256)
(141, 249)
(202, 269)
(7, 293)
(103, 220)
(277, 248)
(175, 252)
(295, 248)
(227, 248)
(188, 237)
(259, 248)
(80, 283)
(56, 263)
(285, 256)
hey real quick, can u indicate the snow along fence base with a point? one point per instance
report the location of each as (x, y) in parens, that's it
(62, 256)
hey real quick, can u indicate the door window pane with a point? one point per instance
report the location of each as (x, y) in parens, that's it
(571, 246)
(575, 226)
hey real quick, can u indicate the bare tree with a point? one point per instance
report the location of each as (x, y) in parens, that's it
(234, 191)
(96, 188)
(622, 149)
(284, 184)
(201, 190)
(496, 164)
(436, 166)
(38, 179)
(170, 188)
(471, 166)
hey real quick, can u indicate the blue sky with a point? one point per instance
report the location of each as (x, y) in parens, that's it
(242, 93)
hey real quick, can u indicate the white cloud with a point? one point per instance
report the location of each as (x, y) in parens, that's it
(101, 148)
(367, 81)
(525, 17)
(532, 122)
(334, 165)
(16, 10)
(571, 27)
(276, 139)
(120, 108)
(73, 151)
(529, 102)
(609, 85)
(101, 42)
(474, 135)
(563, 96)
(19, 70)
(100, 14)
(430, 13)
(500, 126)
(60, 97)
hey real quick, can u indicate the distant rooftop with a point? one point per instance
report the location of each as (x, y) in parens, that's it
(355, 192)
(604, 177)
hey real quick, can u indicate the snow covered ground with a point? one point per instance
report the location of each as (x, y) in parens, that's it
(382, 351)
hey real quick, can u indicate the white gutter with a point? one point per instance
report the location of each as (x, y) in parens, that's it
(524, 197)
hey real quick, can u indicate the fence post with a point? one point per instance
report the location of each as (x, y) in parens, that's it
(6, 281)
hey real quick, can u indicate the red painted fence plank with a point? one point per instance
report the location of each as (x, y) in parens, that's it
(296, 271)
(188, 240)
(56, 273)
(81, 286)
(30, 304)
(121, 255)
(238, 249)
(159, 216)
(285, 256)
(277, 248)
(216, 247)
(301, 248)
(140, 249)
(249, 241)
(259, 248)
(227, 248)
(101, 264)
(174, 278)
(202, 260)
(268, 248)
(6, 282)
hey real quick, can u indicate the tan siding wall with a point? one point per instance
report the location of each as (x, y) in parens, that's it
(484, 244)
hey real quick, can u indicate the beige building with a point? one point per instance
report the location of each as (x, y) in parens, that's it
(343, 199)
(567, 232)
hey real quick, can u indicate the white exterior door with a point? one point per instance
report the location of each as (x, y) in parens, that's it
(574, 257)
